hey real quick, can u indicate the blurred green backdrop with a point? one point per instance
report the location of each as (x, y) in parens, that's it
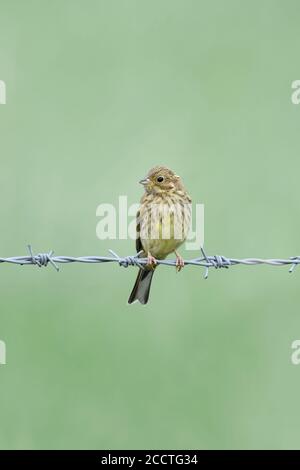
(97, 93)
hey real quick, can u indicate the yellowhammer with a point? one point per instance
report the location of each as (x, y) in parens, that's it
(163, 221)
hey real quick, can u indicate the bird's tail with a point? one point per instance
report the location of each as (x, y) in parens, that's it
(142, 286)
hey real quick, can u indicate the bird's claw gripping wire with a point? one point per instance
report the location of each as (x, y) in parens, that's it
(42, 259)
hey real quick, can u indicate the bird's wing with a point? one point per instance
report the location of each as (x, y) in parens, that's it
(138, 243)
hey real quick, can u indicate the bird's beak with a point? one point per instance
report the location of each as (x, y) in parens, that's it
(144, 181)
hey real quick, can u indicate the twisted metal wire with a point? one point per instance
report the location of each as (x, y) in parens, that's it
(215, 261)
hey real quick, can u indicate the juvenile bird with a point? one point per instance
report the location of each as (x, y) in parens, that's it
(162, 224)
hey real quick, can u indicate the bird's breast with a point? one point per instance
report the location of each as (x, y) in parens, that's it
(164, 224)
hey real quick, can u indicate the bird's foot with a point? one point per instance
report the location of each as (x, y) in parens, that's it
(151, 261)
(179, 262)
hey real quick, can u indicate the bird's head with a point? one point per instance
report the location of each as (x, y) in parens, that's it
(161, 179)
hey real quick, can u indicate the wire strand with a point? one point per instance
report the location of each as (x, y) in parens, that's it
(205, 261)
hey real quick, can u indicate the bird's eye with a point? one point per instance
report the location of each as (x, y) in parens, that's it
(160, 179)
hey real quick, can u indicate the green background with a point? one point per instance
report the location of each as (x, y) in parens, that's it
(97, 93)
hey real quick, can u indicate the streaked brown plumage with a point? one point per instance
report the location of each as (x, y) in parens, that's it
(163, 222)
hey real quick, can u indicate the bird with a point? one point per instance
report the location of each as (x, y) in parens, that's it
(162, 224)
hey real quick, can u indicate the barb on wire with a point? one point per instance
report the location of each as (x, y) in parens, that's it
(42, 259)
(296, 260)
(216, 261)
(206, 261)
(128, 260)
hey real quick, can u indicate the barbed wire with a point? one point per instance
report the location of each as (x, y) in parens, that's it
(206, 261)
